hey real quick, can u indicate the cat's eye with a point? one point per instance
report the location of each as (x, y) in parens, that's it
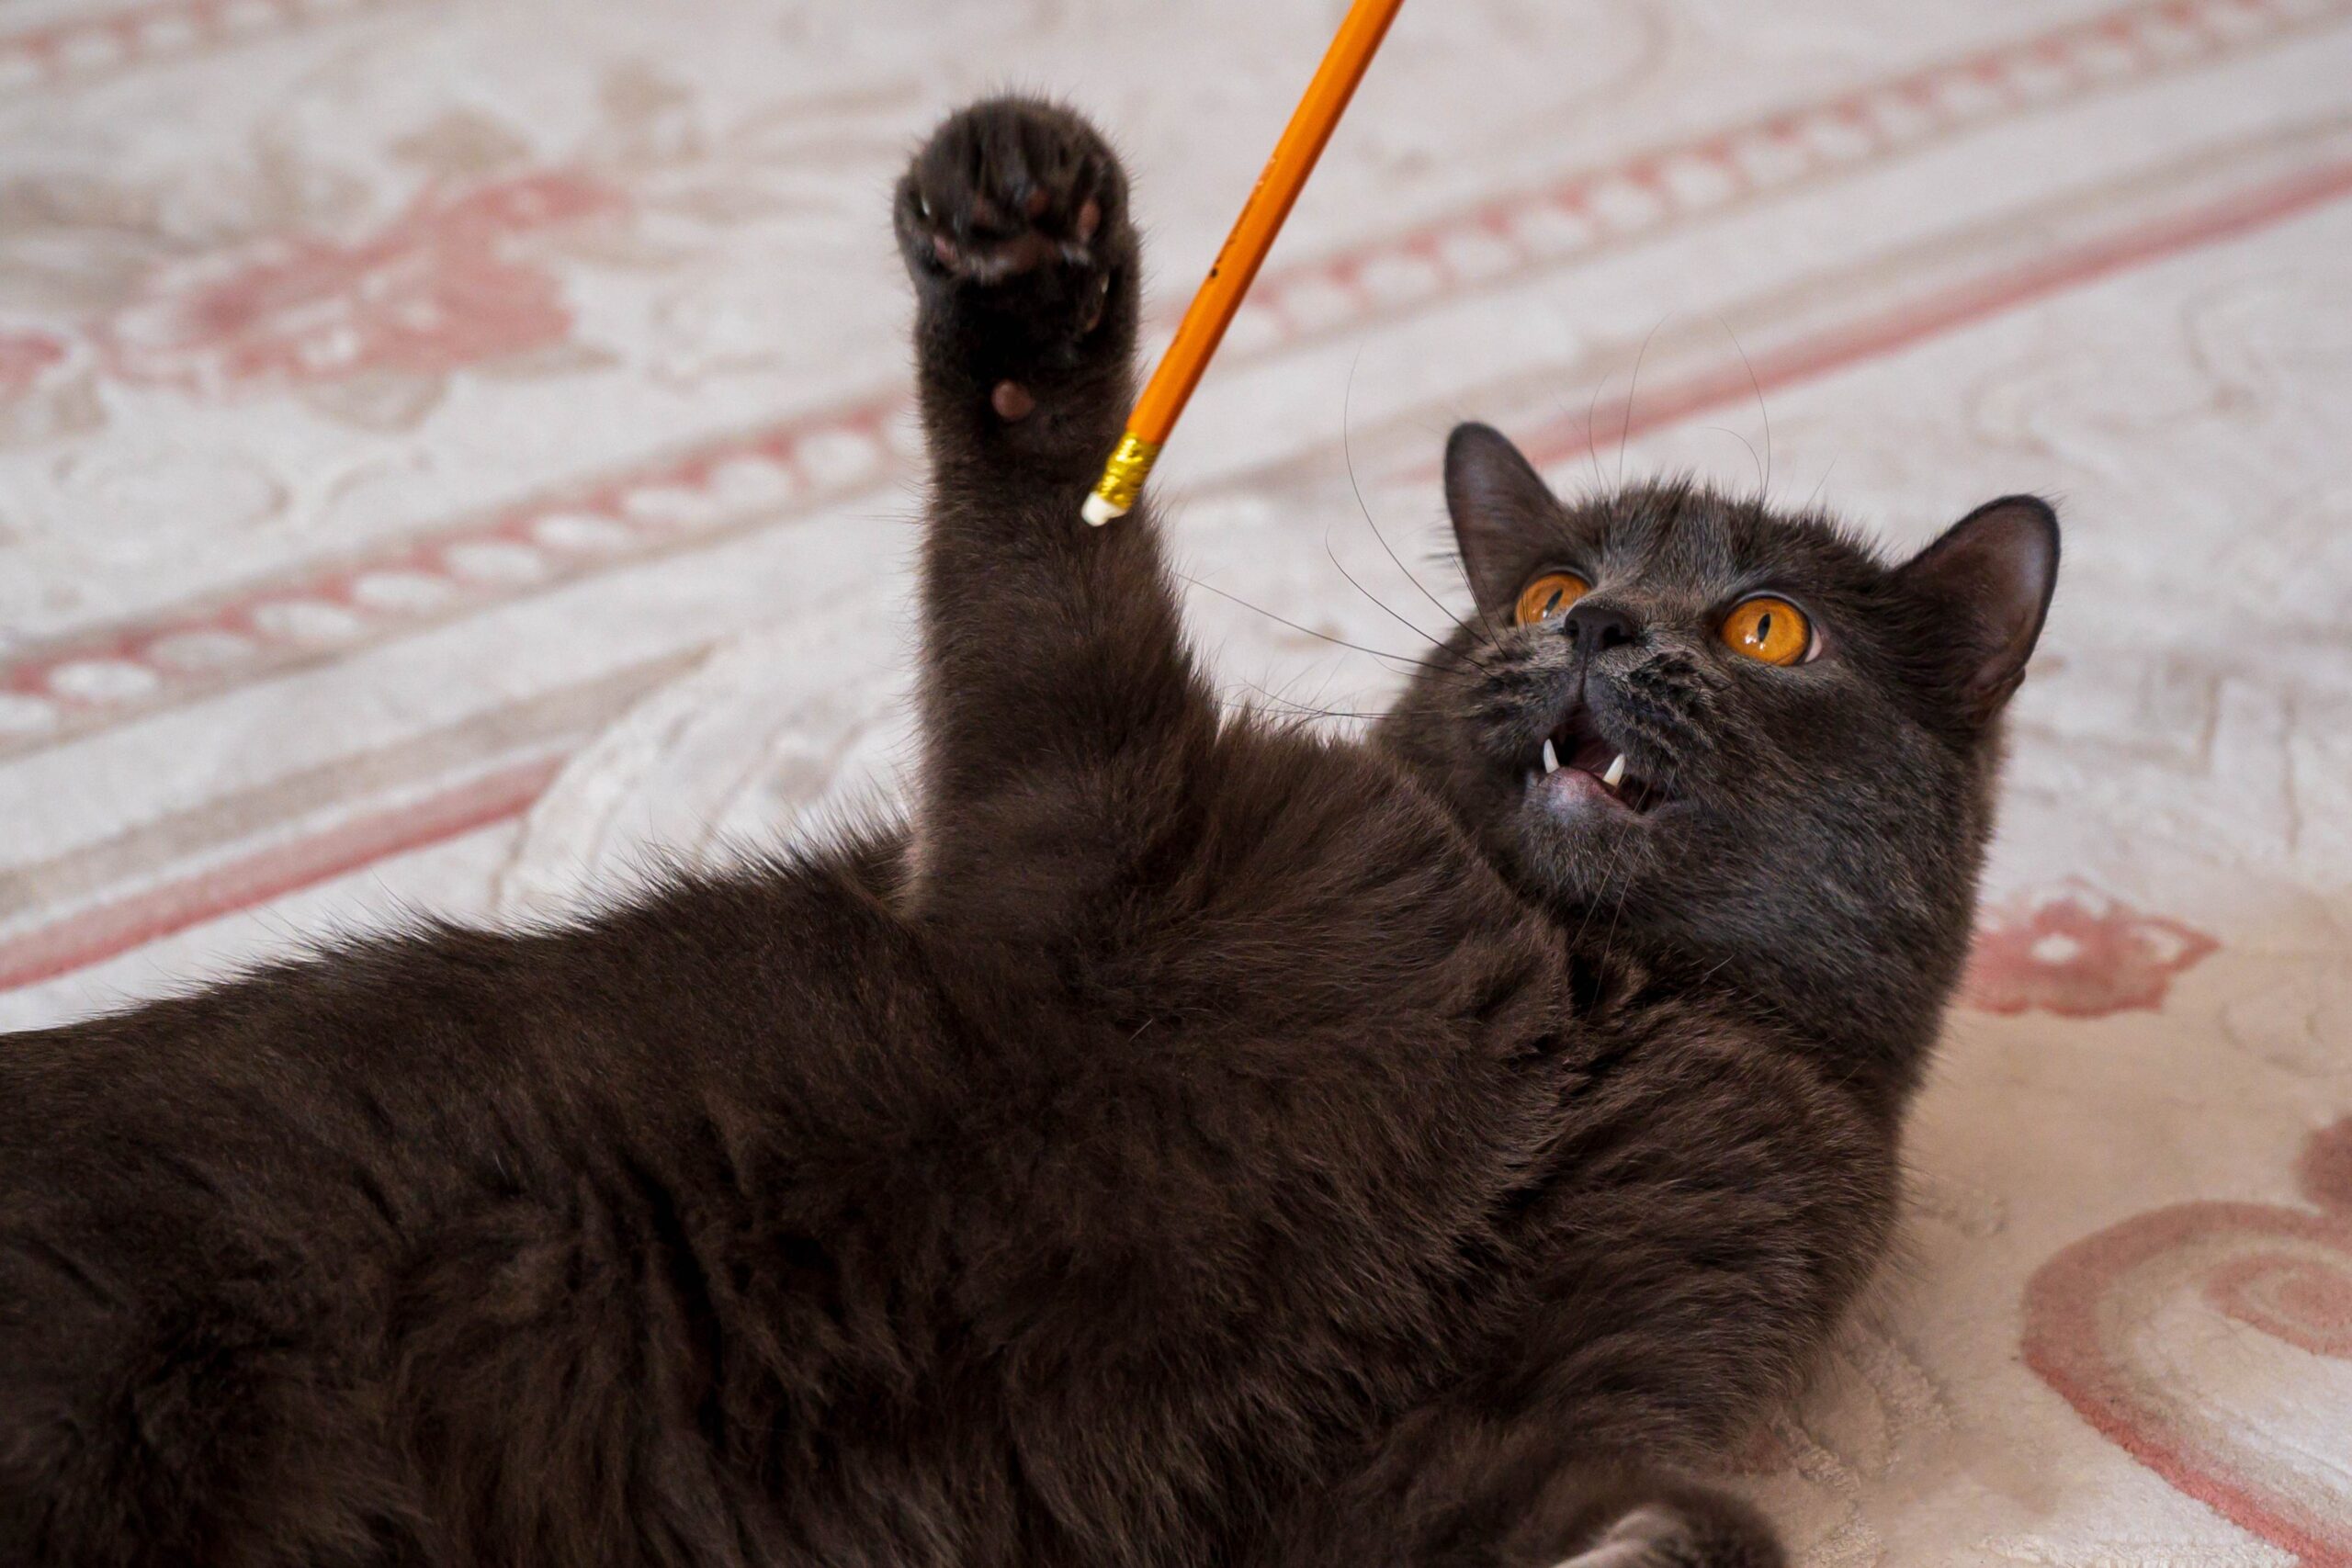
(1770, 630)
(1550, 595)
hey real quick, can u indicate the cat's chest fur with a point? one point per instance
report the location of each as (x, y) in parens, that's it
(1341, 1110)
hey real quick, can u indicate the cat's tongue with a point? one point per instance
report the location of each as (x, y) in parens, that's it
(1571, 789)
(1596, 757)
(1595, 766)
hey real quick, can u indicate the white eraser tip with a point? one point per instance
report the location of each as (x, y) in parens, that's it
(1098, 510)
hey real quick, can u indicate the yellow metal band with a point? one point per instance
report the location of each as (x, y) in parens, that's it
(1124, 475)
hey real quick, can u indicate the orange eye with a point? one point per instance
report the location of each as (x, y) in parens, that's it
(1550, 595)
(1772, 630)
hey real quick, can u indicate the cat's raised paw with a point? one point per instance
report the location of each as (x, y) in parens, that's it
(1008, 186)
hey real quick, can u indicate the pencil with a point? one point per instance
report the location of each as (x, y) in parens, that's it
(1238, 261)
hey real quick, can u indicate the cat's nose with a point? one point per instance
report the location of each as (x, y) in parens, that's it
(1596, 628)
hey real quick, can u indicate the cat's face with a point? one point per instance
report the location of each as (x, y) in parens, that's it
(1735, 730)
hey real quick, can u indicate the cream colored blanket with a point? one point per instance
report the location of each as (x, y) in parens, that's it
(449, 452)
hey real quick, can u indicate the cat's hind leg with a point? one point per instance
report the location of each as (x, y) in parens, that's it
(1457, 1493)
(1684, 1527)
(1062, 715)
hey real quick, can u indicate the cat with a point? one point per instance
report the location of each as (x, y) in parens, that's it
(1184, 1138)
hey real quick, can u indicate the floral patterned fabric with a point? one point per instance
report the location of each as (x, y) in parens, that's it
(447, 452)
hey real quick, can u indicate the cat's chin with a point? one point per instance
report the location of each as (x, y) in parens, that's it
(1572, 842)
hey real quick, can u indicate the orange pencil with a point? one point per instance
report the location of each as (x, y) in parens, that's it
(1237, 264)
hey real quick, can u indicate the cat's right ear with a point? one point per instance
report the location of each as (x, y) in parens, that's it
(1501, 509)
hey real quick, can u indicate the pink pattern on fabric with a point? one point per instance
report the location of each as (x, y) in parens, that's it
(2304, 1303)
(439, 289)
(2091, 1318)
(2072, 950)
(23, 356)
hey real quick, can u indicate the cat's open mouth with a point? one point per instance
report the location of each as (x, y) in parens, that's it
(1578, 762)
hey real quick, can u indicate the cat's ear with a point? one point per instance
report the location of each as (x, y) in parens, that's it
(1986, 584)
(1500, 506)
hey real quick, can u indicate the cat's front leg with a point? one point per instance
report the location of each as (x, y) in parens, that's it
(1060, 706)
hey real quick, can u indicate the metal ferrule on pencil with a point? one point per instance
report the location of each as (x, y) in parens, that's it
(1122, 481)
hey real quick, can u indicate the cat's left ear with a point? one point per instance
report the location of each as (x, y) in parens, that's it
(1987, 583)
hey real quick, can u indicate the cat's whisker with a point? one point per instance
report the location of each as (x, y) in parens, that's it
(1765, 498)
(1382, 605)
(1608, 873)
(1464, 659)
(1592, 437)
(1435, 669)
(1752, 457)
(1632, 390)
(1609, 939)
(1306, 709)
(1821, 485)
(1310, 710)
(1347, 453)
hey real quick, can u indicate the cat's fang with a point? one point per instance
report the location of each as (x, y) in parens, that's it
(1551, 759)
(1616, 774)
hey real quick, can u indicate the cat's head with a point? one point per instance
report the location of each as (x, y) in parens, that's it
(1728, 734)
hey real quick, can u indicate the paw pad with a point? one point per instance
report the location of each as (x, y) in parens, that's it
(1008, 188)
(1012, 401)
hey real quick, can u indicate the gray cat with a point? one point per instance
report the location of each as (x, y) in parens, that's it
(1184, 1140)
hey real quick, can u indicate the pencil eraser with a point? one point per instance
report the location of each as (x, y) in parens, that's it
(1098, 510)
